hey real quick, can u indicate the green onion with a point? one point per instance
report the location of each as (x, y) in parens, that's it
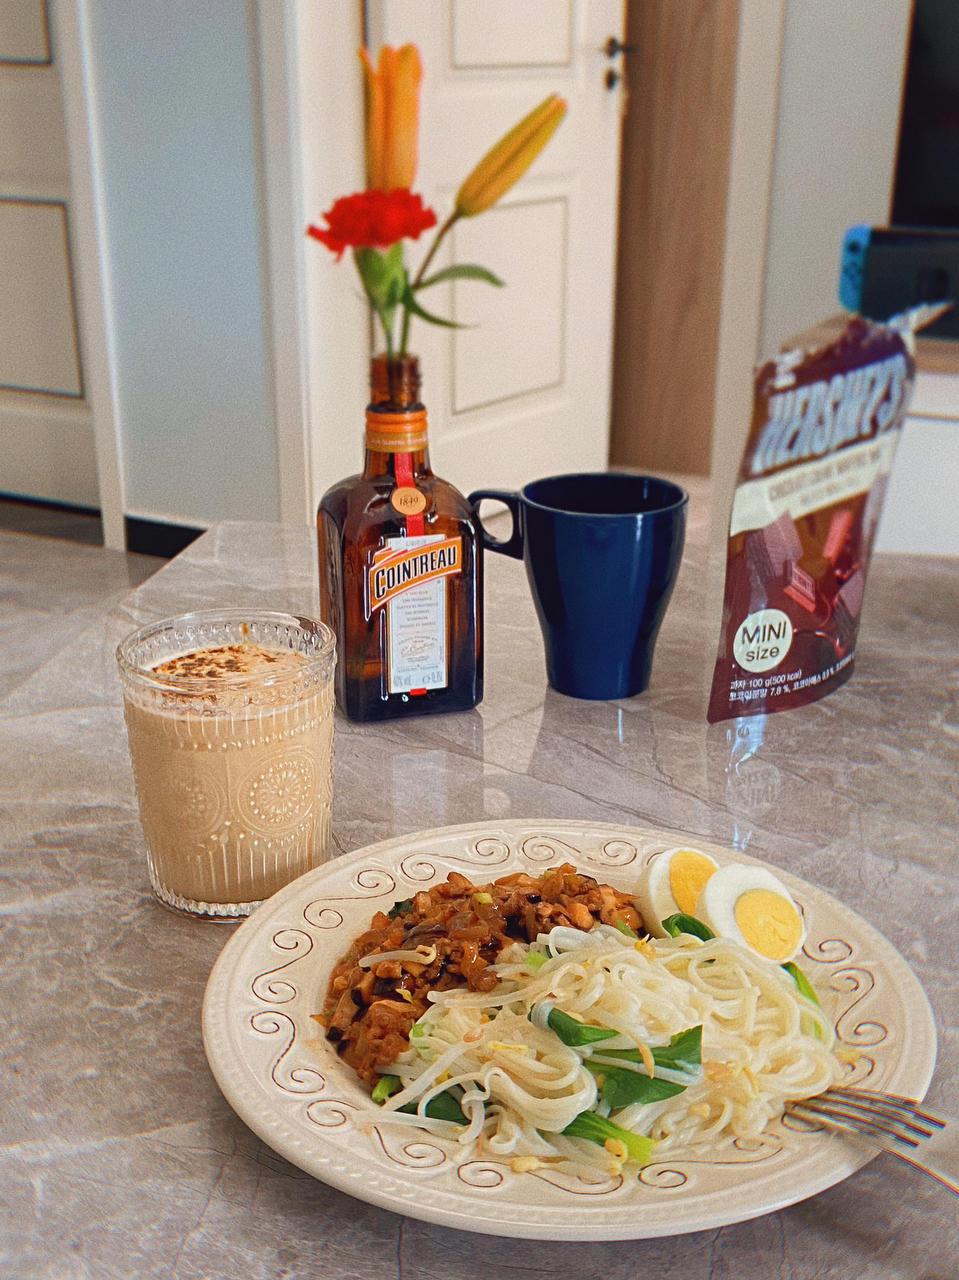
(681, 923)
(802, 982)
(598, 1129)
(385, 1087)
(623, 927)
(400, 908)
(535, 960)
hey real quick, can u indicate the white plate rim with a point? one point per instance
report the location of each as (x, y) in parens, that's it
(237, 1023)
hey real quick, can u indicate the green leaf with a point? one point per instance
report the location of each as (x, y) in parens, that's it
(461, 271)
(681, 923)
(443, 1107)
(598, 1129)
(803, 984)
(383, 274)
(400, 908)
(411, 305)
(575, 1033)
(683, 1053)
(621, 1087)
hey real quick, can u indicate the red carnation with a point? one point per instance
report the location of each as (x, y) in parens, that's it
(373, 219)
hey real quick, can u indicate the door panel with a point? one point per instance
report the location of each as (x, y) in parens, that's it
(486, 34)
(38, 337)
(523, 388)
(47, 429)
(529, 244)
(24, 35)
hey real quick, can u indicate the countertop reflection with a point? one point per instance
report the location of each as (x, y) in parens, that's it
(121, 1158)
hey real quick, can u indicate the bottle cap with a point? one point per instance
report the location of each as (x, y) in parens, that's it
(390, 432)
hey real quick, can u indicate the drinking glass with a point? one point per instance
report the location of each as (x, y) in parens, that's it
(229, 717)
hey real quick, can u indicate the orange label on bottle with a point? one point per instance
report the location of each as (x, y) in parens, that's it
(408, 500)
(394, 571)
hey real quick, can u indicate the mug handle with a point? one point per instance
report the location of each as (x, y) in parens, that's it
(511, 546)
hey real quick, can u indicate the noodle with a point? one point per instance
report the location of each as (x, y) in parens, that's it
(763, 1044)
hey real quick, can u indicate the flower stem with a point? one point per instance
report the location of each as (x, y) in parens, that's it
(454, 216)
(437, 240)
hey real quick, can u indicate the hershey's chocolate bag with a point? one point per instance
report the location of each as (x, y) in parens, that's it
(824, 430)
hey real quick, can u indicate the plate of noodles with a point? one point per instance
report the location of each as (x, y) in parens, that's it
(525, 1070)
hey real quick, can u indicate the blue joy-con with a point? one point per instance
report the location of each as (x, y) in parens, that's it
(852, 266)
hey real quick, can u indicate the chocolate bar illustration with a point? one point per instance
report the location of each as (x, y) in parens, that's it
(801, 587)
(838, 535)
(845, 616)
(771, 550)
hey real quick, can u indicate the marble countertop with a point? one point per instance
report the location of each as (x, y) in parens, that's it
(121, 1158)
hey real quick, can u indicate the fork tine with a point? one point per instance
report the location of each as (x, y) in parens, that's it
(864, 1118)
(904, 1127)
(892, 1104)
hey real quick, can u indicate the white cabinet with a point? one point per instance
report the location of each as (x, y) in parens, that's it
(921, 512)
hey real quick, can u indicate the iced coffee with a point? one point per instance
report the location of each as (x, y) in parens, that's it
(230, 725)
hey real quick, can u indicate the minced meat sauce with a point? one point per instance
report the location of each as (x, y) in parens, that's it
(370, 1008)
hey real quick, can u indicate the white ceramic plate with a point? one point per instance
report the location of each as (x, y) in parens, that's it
(285, 1081)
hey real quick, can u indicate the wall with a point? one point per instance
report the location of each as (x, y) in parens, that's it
(175, 124)
(840, 91)
(920, 515)
(840, 94)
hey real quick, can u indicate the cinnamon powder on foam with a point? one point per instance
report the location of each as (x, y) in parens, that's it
(229, 660)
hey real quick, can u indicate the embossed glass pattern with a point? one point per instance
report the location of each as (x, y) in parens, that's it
(232, 751)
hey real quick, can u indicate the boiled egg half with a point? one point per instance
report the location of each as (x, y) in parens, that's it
(752, 907)
(674, 882)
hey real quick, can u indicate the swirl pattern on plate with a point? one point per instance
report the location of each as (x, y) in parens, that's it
(337, 1138)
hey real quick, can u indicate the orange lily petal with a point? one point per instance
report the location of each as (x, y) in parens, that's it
(375, 122)
(506, 162)
(404, 117)
(392, 116)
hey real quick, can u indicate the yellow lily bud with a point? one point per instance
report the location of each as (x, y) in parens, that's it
(509, 159)
(392, 116)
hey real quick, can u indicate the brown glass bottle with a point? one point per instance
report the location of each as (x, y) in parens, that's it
(400, 561)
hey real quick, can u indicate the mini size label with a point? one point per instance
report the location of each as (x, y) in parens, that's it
(763, 640)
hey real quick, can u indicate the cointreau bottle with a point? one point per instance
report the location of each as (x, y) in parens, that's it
(400, 561)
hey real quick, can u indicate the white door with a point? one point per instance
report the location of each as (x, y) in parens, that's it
(524, 391)
(46, 430)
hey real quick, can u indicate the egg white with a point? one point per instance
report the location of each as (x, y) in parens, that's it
(655, 898)
(776, 935)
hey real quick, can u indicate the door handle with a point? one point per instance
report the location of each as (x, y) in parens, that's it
(613, 47)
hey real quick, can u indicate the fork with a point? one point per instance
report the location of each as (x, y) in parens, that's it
(903, 1126)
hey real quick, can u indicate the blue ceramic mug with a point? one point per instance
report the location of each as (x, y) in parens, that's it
(602, 551)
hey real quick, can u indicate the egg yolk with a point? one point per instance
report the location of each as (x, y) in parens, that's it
(688, 872)
(769, 923)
